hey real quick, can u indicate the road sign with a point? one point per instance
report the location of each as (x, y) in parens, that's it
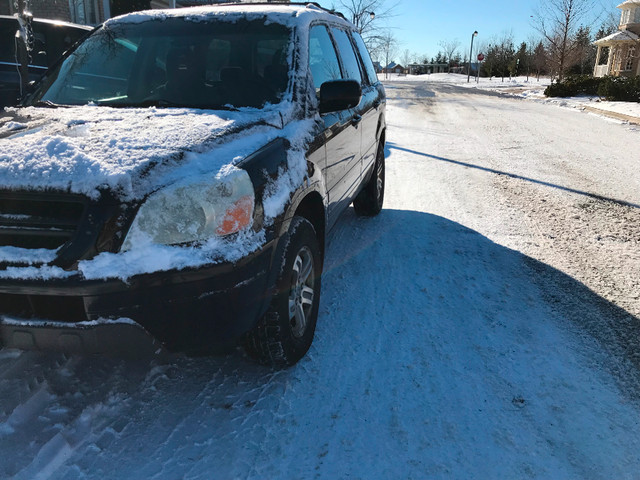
(480, 57)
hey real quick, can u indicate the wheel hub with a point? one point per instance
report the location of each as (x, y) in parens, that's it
(301, 293)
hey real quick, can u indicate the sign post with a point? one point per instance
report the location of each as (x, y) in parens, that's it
(480, 59)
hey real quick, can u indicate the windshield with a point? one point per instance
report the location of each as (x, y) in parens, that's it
(174, 62)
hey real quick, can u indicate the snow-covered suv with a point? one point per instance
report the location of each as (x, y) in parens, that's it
(179, 171)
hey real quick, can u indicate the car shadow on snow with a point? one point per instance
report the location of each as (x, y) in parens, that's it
(405, 295)
(392, 146)
(463, 271)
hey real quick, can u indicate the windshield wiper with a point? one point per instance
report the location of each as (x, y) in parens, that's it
(46, 104)
(156, 102)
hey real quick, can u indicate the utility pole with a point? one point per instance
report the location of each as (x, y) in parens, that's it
(475, 34)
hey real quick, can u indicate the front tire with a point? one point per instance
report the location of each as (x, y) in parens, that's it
(369, 201)
(285, 333)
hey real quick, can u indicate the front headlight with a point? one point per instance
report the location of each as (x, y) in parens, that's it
(195, 211)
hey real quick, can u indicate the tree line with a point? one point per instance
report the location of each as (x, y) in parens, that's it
(563, 47)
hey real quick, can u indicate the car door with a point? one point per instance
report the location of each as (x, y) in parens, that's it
(371, 106)
(362, 116)
(341, 167)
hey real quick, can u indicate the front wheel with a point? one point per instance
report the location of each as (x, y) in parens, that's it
(285, 333)
(369, 201)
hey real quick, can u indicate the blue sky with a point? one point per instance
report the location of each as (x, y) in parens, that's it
(420, 25)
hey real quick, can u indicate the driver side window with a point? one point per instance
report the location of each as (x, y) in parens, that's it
(323, 60)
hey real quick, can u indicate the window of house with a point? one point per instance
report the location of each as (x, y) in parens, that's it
(84, 11)
(636, 15)
(631, 53)
(624, 19)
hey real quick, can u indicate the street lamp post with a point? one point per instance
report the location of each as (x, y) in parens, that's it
(475, 34)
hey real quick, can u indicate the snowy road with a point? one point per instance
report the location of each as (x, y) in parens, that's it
(483, 326)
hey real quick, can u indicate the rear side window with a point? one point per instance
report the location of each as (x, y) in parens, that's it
(366, 59)
(8, 30)
(349, 59)
(323, 60)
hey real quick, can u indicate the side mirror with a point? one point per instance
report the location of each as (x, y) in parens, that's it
(339, 95)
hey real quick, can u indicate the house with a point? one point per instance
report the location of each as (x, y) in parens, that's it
(422, 68)
(94, 12)
(618, 53)
(393, 67)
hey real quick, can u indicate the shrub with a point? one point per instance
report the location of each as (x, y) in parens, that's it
(574, 85)
(622, 89)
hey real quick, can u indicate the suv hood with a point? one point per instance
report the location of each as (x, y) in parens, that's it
(128, 152)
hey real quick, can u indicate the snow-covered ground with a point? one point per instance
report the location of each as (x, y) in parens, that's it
(482, 326)
(521, 86)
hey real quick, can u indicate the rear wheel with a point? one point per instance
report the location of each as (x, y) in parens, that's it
(369, 201)
(285, 333)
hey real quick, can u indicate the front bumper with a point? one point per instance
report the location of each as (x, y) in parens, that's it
(194, 309)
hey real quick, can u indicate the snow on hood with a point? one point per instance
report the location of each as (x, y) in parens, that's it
(85, 149)
(89, 148)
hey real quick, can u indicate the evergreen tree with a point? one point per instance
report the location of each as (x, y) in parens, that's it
(584, 53)
(540, 59)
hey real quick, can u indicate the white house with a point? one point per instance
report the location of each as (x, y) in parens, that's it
(619, 52)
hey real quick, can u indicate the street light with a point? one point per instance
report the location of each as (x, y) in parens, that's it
(475, 34)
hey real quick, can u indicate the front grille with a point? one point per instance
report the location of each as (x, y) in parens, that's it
(39, 220)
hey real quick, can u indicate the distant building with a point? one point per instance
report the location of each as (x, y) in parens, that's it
(94, 12)
(422, 68)
(618, 53)
(393, 67)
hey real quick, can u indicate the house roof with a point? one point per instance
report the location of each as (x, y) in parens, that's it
(619, 36)
(629, 3)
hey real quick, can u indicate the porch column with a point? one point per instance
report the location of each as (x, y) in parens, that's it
(595, 67)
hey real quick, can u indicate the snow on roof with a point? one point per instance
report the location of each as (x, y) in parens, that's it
(629, 4)
(619, 36)
(285, 14)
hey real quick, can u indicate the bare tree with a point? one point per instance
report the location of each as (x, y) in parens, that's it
(385, 47)
(406, 58)
(367, 15)
(449, 48)
(557, 21)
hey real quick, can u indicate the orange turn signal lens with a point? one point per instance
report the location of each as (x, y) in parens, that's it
(237, 216)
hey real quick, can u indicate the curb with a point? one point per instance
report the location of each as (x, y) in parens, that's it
(617, 116)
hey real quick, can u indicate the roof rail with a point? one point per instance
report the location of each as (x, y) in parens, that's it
(301, 4)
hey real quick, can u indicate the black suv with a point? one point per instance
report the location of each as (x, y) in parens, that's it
(179, 171)
(48, 40)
